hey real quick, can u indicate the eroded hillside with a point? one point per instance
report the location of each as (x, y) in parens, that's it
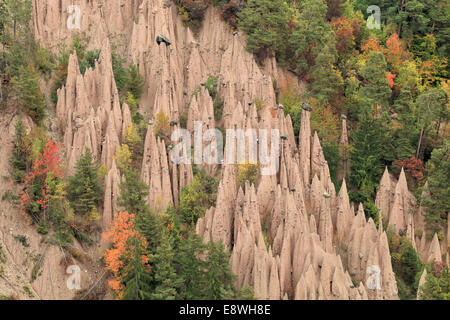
(290, 235)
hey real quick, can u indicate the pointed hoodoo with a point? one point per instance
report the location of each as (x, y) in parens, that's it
(434, 252)
(383, 199)
(423, 279)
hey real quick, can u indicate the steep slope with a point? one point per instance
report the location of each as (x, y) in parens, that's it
(291, 236)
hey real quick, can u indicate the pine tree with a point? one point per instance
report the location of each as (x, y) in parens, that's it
(136, 274)
(432, 107)
(21, 153)
(134, 81)
(436, 288)
(191, 268)
(220, 279)
(84, 190)
(164, 275)
(375, 90)
(324, 73)
(437, 201)
(371, 151)
(133, 193)
(266, 23)
(27, 93)
(308, 38)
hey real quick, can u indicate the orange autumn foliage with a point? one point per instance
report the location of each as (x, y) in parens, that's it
(116, 258)
(371, 45)
(394, 51)
(390, 79)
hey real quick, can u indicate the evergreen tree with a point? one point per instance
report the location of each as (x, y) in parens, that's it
(165, 277)
(136, 275)
(27, 93)
(134, 81)
(133, 193)
(437, 201)
(84, 190)
(220, 279)
(327, 79)
(21, 153)
(432, 107)
(148, 224)
(191, 269)
(375, 90)
(309, 36)
(371, 152)
(436, 288)
(266, 23)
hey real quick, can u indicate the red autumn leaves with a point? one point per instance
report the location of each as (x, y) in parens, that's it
(38, 181)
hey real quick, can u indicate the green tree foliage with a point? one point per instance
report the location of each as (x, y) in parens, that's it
(310, 35)
(27, 93)
(133, 193)
(134, 81)
(375, 90)
(196, 198)
(436, 287)
(135, 275)
(219, 277)
(405, 263)
(205, 270)
(437, 197)
(165, 277)
(370, 153)
(324, 72)
(84, 189)
(14, 16)
(21, 152)
(266, 22)
(191, 268)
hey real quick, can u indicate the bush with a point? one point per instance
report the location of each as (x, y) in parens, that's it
(28, 94)
(247, 172)
(198, 197)
(84, 190)
(20, 160)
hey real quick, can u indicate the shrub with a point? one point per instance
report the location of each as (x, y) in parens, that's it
(27, 93)
(162, 126)
(198, 197)
(84, 190)
(247, 172)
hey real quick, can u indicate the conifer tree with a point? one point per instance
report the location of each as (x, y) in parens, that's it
(84, 190)
(308, 37)
(27, 93)
(327, 80)
(165, 277)
(266, 23)
(136, 274)
(371, 152)
(191, 268)
(375, 90)
(220, 279)
(437, 201)
(133, 193)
